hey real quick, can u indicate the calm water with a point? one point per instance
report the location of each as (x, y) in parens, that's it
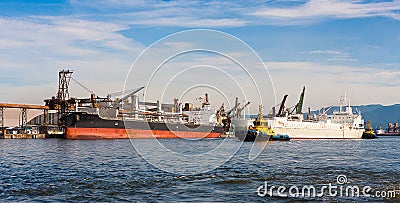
(104, 171)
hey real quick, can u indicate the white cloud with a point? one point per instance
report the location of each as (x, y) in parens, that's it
(326, 83)
(315, 10)
(191, 22)
(42, 31)
(342, 59)
(191, 14)
(326, 52)
(213, 14)
(34, 49)
(179, 45)
(334, 55)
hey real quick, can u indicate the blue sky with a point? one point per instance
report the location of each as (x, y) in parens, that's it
(331, 46)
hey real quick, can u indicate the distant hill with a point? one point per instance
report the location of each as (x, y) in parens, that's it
(378, 114)
(381, 115)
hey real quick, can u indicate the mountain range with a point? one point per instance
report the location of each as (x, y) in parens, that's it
(380, 115)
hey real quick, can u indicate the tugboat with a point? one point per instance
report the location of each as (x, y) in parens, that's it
(260, 131)
(369, 132)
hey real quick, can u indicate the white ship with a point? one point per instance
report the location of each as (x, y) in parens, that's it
(342, 124)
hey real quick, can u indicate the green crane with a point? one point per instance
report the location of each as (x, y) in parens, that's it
(299, 105)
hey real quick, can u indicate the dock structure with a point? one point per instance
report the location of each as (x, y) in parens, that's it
(24, 119)
(61, 103)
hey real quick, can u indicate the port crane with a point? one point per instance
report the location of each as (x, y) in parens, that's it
(299, 106)
(238, 110)
(118, 101)
(282, 106)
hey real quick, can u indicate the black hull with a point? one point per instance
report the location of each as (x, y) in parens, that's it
(388, 134)
(250, 136)
(369, 136)
(90, 126)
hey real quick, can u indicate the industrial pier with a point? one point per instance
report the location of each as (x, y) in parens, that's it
(45, 125)
(22, 131)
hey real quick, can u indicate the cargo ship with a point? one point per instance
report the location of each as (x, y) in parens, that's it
(140, 121)
(127, 117)
(392, 130)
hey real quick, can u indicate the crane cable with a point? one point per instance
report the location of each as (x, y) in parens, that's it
(83, 86)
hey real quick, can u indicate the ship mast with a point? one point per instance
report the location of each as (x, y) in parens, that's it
(260, 117)
(344, 102)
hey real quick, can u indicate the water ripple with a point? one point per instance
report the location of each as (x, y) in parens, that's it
(110, 170)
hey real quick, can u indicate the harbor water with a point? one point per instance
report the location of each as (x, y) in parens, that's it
(112, 170)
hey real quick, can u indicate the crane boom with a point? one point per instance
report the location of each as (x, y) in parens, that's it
(126, 96)
(114, 94)
(299, 105)
(241, 108)
(282, 105)
(235, 107)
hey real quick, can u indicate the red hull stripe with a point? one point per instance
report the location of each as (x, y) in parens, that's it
(118, 133)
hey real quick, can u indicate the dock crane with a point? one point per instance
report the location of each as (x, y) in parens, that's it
(62, 101)
(281, 108)
(237, 109)
(234, 107)
(116, 94)
(134, 91)
(225, 116)
(299, 106)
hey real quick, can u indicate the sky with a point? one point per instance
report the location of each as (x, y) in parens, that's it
(333, 47)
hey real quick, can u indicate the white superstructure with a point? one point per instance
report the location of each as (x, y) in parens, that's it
(342, 124)
(204, 115)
